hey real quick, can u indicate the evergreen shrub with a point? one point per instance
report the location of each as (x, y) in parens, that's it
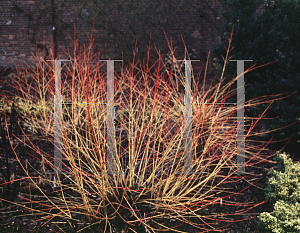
(284, 190)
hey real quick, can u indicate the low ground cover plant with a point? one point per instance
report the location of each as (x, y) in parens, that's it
(284, 192)
(149, 191)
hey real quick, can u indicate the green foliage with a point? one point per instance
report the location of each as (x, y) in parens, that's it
(19, 106)
(29, 109)
(284, 190)
(272, 35)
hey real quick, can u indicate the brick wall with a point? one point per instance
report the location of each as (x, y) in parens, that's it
(23, 23)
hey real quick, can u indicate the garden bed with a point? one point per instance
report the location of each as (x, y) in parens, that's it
(10, 223)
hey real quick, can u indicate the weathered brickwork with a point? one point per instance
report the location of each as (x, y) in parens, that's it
(25, 23)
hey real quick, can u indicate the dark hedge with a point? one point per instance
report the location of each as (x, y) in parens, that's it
(272, 35)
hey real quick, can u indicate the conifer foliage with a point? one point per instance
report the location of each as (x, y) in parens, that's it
(284, 190)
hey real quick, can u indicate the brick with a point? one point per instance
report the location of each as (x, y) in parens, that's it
(16, 37)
